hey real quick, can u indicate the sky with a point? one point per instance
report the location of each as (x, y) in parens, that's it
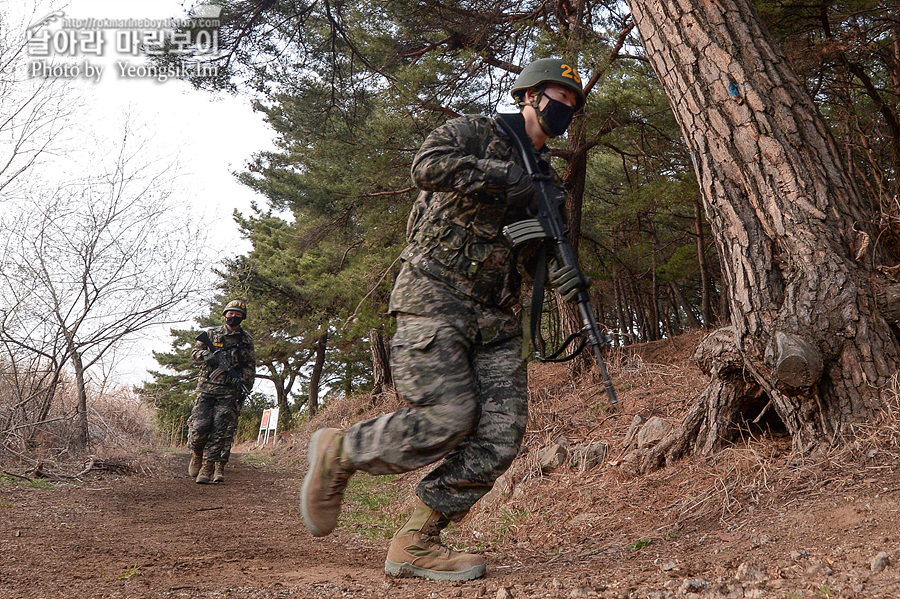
(209, 136)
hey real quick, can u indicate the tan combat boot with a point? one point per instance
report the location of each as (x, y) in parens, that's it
(205, 473)
(326, 479)
(219, 476)
(196, 463)
(416, 550)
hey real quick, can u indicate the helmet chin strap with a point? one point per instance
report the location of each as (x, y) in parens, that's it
(536, 105)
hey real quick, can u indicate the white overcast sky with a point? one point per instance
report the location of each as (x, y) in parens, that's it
(210, 136)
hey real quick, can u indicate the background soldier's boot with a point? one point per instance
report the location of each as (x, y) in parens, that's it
(219, 476)
(196, 463)
(205, 473)
(326, 479)
(416, 550)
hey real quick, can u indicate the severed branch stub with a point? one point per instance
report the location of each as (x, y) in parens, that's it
(717, 354)
(798, 364)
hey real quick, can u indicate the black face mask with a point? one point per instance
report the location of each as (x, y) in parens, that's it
(555, 117)
(233, 321)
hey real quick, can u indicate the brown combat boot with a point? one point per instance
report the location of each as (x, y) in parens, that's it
(416, 550)
(219, 476)
(326, 479)
(196, 463)
(205, 473)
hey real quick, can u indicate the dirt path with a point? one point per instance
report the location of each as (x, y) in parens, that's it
(751, 522)
(599, 535)
(162, 535)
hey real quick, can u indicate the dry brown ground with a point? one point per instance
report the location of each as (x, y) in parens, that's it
(752, 521)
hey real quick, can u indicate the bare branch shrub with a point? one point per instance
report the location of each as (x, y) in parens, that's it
(33, 110)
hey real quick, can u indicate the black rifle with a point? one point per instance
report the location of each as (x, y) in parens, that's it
(550, 227)
(222, 363)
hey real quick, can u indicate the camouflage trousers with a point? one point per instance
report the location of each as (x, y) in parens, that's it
(468, 404)
(213, 423)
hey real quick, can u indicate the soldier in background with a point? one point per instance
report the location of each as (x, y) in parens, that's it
(227, 372)
(457, 353)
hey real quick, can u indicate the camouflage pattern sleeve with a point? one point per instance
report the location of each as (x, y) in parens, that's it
(452, 158)
(197, 352)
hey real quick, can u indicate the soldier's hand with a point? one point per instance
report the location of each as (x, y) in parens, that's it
(521, 192)
(565, 279)
(235, 381)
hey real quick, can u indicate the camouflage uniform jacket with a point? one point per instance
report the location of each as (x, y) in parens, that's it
(458, 262)
(238, 348)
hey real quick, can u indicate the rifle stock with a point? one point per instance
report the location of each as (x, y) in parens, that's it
(549, 226)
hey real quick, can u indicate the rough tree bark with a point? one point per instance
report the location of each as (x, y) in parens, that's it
(806, 333)
(381, 362)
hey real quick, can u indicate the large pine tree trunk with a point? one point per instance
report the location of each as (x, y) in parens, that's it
(806, 332)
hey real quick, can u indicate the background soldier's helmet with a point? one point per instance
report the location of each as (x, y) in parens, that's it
(237, 306)
(548, 70)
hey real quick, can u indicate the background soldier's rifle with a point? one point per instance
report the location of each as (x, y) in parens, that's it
(550, 227)
(222, 362)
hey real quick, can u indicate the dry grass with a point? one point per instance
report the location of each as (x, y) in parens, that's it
(119, 425)
(120, 420)
(882, 435)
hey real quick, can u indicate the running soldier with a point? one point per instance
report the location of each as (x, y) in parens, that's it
(227, 370)
(457, 353)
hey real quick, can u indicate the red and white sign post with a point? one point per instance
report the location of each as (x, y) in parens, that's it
(269, 424)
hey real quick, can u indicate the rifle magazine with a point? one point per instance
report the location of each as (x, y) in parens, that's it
(524, 230)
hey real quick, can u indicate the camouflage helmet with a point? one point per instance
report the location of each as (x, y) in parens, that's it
(237, 306)
(548, 70)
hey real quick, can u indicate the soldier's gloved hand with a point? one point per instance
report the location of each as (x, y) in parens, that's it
(521, 192)
(235, 381)
(565, 280)
(209, 358)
